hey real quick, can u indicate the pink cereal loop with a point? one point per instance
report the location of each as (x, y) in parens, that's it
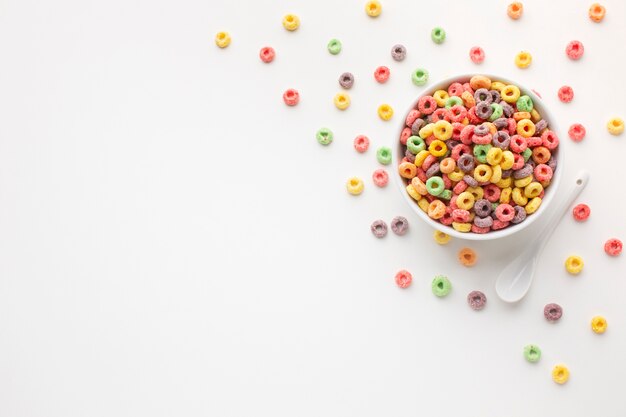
(380, 177)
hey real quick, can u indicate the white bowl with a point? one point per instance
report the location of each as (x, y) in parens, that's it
(494, 234)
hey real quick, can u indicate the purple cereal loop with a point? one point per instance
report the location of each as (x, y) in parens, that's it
(482, 208)
(399, 225)
(501, 140)
(470, 181)
(532, 163)
(501, 123)
(483, 110)
(506, 173)
(481, 130)
(483, 221)
(432, 170)
(520, 215)
(409, 156)
(507, 109)
(417, 125)
(540, 126)
(552, 312)
(379, 228)
(346, 80)
(476, 300)
(398, 52)
(552, 164)
(482, 95)
(451, 143)
(523, 172)
(466, 163)
(495, 96)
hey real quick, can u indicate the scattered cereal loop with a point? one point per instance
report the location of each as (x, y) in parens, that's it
(291, 22)
(379, 229)
(355, 186)
(613, 247)
(574, 264)
(523, 59)
(373, 8)
(267, 54)
(577, 132)
(441, 237)
(532, 353)
(222, 39)
(477, 55)
(552, 312)
(398, 52)
(385, 112)
(467, 257)
(441, 286)
(581, 212)
(400, 225)
(615, 126)
(574, 50)
(361, 143)
(291, 97)
(382, 74)
(324, 136)
(383, 155)
(342, 101)
(419, 77)
(596, 12)
(346, 80)
(334, 46)
(476, 300)
(380, 178)
(515, 10)
(566, 94)
(599, 324)
(560, 374)
(403, 278)
(438, 35)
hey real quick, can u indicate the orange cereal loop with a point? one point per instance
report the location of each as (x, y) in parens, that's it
(467, 257)
(515, 10)
(480, 81)
(596, 12)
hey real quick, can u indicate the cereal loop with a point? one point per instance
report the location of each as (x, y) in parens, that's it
(380, 177)
(267, 54)
(379, 228)
(515, 10)
(291, 22)
(441, 237)
(403, 278)
(574, 264)
(222, 39)
(560, 374)
(342, 101)
(467, 257)
(477, 55)
(385, 112)
(581, 212)
(574, 50)
(596, 12)
(523, 59)
(382, 74)
(291, 97)
(615, 126)
(598, 324)
(613, 247)
(476, 300)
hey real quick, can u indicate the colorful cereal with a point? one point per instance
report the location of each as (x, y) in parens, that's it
(515, 10)
(324, 136)
(291, 22)
(581, 212)
(560, 374)
(379, 228)
(398, 52)
(438, 35)
(361, 143)
(576, 132)
(373, 8)
(380, 178)
(476, 300)
(382, 74)
(222, 39)
(552, 312)
(613, 247)
(523, 59)
(291, 97)
(467, 257)
(566, 94)
(574, 264)
(598, 324)
(334, 46)
(574, 50)
(385, 112)
(346, 80)
(419, 77)
(355, 186)
(441, 237)
(383, 155)
(615, 126)
(596, 12)
(477, 55)
(441, 286)
(400, 225)
(403, 278)
(532, 353)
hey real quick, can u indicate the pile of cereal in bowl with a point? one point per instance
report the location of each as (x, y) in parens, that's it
(477, 155)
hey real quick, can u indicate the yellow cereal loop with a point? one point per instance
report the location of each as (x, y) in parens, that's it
(437, 148)
(496, 175)
(465, 200)
(441, 238)
(523, 182)
(477, 192)
(505, 195)
(342, 101)
(442, 130)
(468, 101)
(355, 186)
(560, 374)
(497, 85)
(291, 22)
(385, 112)
(507, 160)
(456, 175)
(525, 128)
(494, 156)
(440, 97)
(423, 204)
(532, 205)
(426, 131)
(598, 324)
(413, 192)
(518, 197)
(574, 264)
(615, 126)
(523, 59)
(222, 39)
(510, 93)
(462, 227)
(535, 116)
(420, 157)
(373, 8)
(533, 189)
(482, 173)
(504, 182)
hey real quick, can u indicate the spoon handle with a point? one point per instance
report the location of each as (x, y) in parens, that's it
(581, 181)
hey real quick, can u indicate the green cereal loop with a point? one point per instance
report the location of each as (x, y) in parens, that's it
(419, 76)
(383, 155)
(435, 186)
(438, 35)
(441, 286)
(334, 46)
(497, 112)
(415, 144)
(445, 195)
(527, 153)
(480, 152)
(524, 103)
(324, 136)
(532, 353)
(494, 206)
(453, 101)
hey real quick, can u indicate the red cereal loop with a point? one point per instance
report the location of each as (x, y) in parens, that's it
(405, 135)
(543, 172)
(549, 139)
(427, 105)
(447, 216)
(566, 94)
(361, 143)
(291, 97)
(499, 224)
(382, 74)
(267, 54)
(480, 230)
(581, 212)
(412, 116)
(403, 278)
(577, 132)
(380, 177)
(574, 50)
(613, 247)
(455, 89)
(477, 55)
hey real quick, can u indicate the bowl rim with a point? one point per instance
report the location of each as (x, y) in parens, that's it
(496, 234)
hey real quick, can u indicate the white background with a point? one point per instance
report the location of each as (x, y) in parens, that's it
(174, 241)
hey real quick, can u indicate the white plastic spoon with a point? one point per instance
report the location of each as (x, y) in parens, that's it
(515, 279)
